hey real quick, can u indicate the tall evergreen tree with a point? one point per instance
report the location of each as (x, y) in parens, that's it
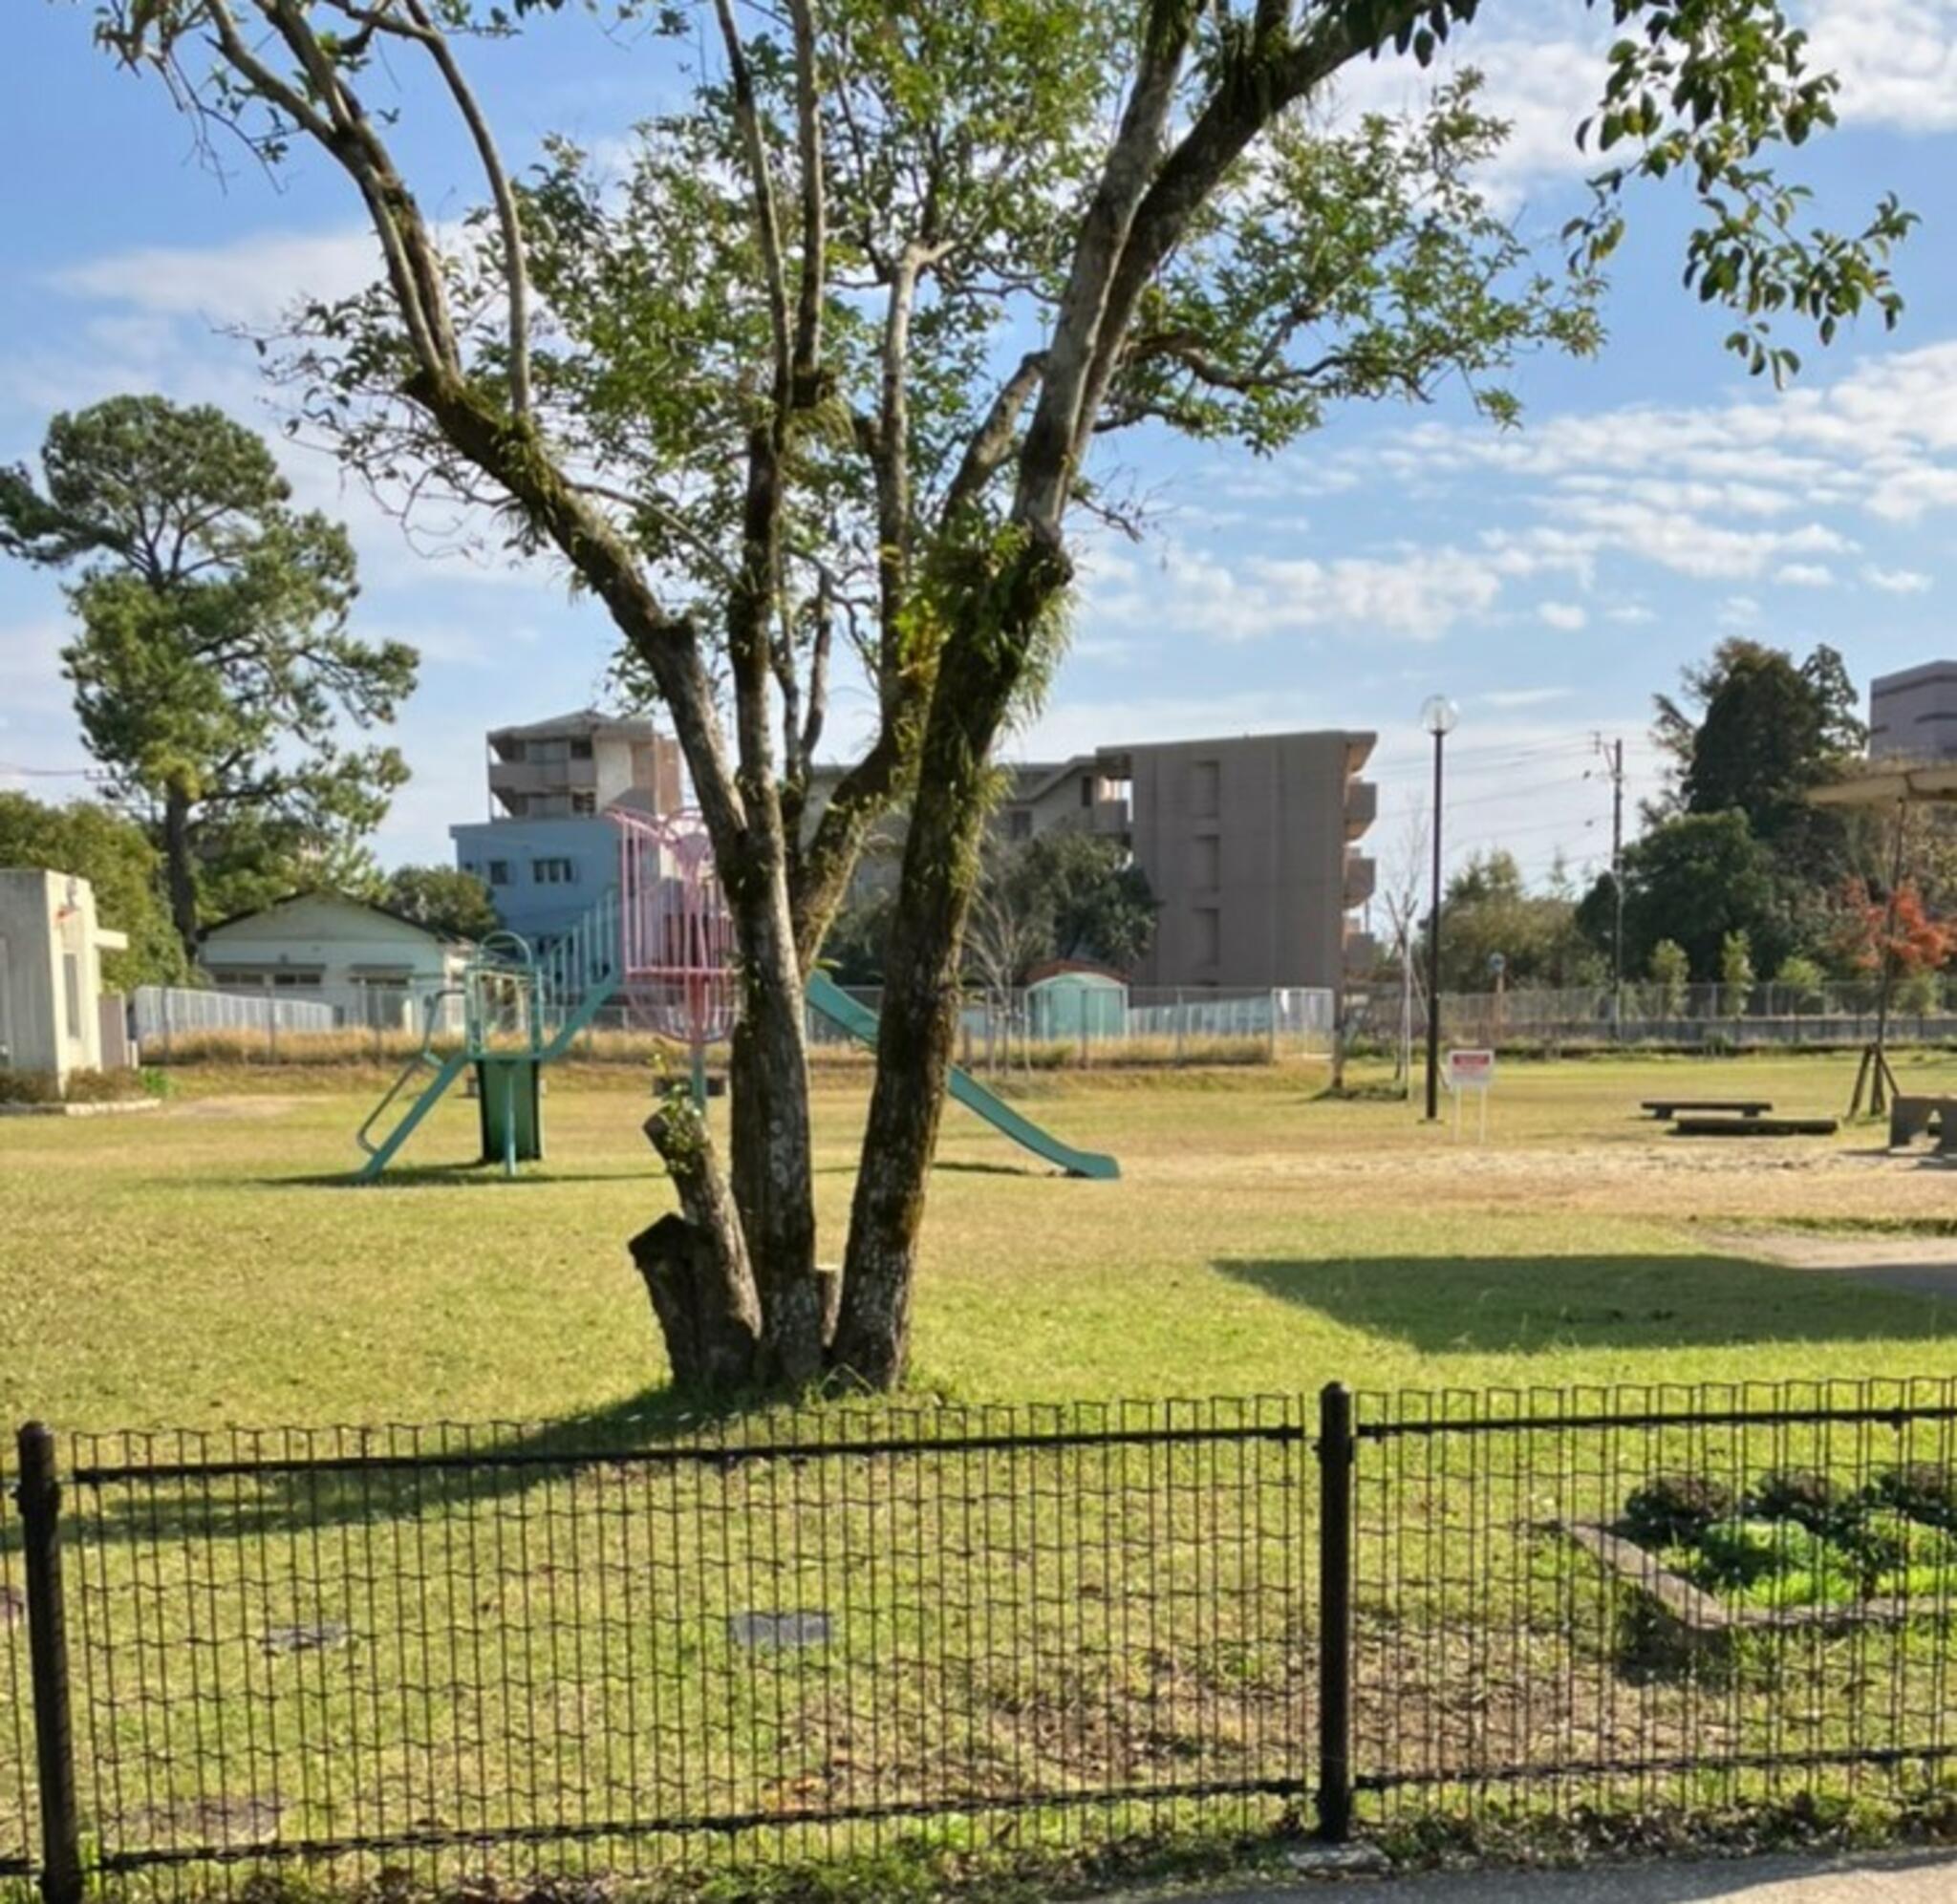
(213, 664)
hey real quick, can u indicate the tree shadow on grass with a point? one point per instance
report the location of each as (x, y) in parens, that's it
(219, 1485)
(1527, 1305)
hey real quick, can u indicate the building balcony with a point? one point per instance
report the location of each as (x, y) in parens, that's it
(1362, 952)
(1110, 819)
(532, 776)
(1362, 807)
(1362, 876)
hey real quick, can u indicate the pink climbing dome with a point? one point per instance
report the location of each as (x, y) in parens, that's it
(677, 933)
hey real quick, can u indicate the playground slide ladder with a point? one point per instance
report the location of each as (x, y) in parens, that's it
(562, 991)
(860, 1022)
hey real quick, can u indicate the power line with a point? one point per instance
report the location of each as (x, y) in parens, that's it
(1483, 799)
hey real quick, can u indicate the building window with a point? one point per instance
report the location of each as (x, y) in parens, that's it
(1018, 823)
(1086, 789)
(1206, 861)
(553, 872)
(499, 872)
(583, 802)
(580, 750)
(518, 804)
(511, 750)
(1208, 936)
(1203, 776)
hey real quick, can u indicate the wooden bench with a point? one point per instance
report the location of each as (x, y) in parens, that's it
(1911, 1118)
(1665, 1108)
(1754, 1126)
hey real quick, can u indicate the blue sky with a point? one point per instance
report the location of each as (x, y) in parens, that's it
(1551, 579)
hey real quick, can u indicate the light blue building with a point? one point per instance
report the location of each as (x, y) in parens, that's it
(548, 853)
(543, 874)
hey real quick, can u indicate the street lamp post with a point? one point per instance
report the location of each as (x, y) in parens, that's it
(1437, 716)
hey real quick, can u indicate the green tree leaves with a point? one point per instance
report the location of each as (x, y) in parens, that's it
(117, 858)
(453, 903)
(213, 668)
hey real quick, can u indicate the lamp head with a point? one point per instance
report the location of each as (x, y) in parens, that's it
(1438, 714)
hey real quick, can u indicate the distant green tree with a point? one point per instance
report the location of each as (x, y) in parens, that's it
(213, 666)
(1671, 972)
(1490, 911)
(1757, 733)
(1062, 895)
(1801, 980)
(116, 857)
(1765, 731)
(1693, 880)
(444, 899)
(1735, 972)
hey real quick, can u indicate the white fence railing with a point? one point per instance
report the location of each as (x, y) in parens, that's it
(1161, 1022)
(159, 1014)
(1137, 1025)
(1922, 1008)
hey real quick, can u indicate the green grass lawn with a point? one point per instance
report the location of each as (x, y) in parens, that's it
(203, 1264)
(495, 1649)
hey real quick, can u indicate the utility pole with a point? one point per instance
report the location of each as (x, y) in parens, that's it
(1438, 715)
(1613, 753)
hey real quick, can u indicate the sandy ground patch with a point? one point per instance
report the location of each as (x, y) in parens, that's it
(262, 1106)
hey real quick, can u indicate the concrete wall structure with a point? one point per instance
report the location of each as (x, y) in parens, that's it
(1249, 848)
(50, 973)
(1913, 713)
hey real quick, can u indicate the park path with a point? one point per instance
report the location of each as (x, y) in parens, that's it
(1911, 1879)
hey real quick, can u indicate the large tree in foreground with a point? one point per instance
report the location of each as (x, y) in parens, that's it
(212, 666)
(829, 366)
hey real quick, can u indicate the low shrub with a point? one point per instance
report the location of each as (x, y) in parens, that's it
(1671, 1509)
(1738, 1552)
(1798, 1494)
(1923, 1490)
(28, 1087)
(103, 1087)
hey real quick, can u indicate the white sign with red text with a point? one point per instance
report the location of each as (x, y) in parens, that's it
(1471, 1070)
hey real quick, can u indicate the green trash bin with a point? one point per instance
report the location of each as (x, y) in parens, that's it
(509, 1103)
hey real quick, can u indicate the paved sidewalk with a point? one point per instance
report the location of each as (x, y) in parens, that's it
(1925, 1878)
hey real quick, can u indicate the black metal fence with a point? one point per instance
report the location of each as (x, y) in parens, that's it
(484, 1651)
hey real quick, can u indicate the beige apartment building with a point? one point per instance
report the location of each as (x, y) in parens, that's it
(1913, 713)
(581, 763)
(1249, 845)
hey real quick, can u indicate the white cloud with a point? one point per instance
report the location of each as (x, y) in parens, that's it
(1738, 611)
(1514, 697)
(248, 281)
(1897, 59)
(1805, 575)
(1897, 581)
(1417, 596)
(1567, 615)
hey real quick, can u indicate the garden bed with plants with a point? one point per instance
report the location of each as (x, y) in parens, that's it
(1793, 1550)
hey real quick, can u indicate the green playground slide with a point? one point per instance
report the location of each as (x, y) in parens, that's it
(826, 997)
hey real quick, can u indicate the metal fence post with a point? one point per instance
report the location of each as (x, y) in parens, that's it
(39, 1497)
(1335, 1613)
